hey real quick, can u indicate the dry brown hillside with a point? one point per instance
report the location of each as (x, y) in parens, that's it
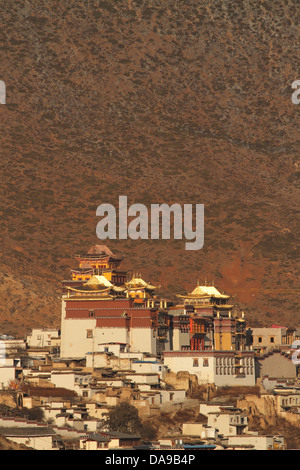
(168, 101)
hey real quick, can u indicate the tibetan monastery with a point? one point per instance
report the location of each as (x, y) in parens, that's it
(100, 305)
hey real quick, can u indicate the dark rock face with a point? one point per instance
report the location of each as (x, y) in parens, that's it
(169, 101)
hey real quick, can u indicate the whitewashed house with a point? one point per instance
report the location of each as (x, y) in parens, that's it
(222, 368)
(41, 338)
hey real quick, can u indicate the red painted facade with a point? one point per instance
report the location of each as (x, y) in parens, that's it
(112, 313)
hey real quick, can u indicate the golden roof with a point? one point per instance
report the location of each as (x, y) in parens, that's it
(97, 280)
(138, 283)
(97, 284)
(204, 292)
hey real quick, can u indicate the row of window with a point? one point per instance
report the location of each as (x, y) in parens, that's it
(290, 401)
(223, 368)
(234, 371)
(230, 361)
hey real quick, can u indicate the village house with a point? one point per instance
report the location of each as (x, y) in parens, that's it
(10, 345)
(29, 396)
(148, 379)
(227, 419)
(114, 355)
(199, 430)
(36, 438)
(288, 399)
(98, 410)
(94, 442)
(270, 383)
(78, 381)
(121, 440)
(148, 366)
(254, 442)
(109, 440)
(227, 422)
(275, 337)
(30, 433)
(42, 338)
(10, 369)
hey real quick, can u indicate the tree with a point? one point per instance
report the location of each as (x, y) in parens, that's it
(124, 418)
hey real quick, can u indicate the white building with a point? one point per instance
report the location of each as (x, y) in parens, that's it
(8, 368)
(149, 367)
(29, 433)
(199, 430)
(255, 442)
(223, 368)
(72, 380)
(85, 325)
(10, 345)
(228, 423)
(41, 338)
(115, 355)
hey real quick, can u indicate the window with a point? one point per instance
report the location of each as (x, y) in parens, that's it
(89, 333)
(205, 362)
(271, 339)
(91, 313)
(260, 339)
(195, 363)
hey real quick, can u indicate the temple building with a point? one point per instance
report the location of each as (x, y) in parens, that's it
(210, 340)
(139, 289)
(99, 260)
(97, 310)
(213, 323)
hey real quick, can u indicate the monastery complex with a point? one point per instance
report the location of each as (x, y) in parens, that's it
(101, 306)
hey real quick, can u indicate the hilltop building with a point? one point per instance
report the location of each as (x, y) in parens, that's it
(99, 260)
